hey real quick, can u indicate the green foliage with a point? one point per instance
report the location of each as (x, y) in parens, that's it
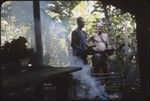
(15, 50)
(115, 21)
(61, 10)
(6, 9)
(12, 25)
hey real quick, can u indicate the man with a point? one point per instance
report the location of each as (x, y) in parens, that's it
(102, 49)
(78, 41)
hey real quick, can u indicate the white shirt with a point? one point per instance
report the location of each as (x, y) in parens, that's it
(99, 42)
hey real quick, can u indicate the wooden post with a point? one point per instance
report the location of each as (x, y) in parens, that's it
(126, 39)
(143, 19)
(37, 28)
(126, 63)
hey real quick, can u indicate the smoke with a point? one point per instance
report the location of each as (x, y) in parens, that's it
(88, 87)
(55, 40)
(57, 52)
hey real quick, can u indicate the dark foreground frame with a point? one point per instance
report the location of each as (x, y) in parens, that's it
(141, 10)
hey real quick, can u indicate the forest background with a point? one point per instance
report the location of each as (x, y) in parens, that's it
(17, 20)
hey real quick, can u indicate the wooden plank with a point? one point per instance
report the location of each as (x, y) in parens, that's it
(36, 76)
(113, 81)
(106, 74)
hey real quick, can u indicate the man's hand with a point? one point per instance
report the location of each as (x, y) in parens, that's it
(110, 51)
(90, 50)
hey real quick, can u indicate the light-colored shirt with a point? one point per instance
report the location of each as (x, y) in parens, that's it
(100, 42)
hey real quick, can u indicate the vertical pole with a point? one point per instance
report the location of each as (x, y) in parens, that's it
(126, 49)
(126, 40)
(126, 62)
(126, 66)
(37, 28)
(143, 35)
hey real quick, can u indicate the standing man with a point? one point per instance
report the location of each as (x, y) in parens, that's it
(102, 50)
(78, 41)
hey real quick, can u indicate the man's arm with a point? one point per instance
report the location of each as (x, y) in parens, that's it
(90, 39)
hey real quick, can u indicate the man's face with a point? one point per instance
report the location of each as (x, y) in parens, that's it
(81, 23)
(99, 29)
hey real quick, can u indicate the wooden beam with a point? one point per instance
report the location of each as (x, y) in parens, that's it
(45, 73)
(143, 36)
(37, 28)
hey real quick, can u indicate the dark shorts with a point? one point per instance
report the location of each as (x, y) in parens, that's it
(99, 63)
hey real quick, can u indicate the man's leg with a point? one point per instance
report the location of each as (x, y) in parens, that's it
(104, 64)
(84, 58)
(95, 63)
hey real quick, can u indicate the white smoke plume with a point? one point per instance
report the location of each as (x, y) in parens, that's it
(89, 87)
(56, 43)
